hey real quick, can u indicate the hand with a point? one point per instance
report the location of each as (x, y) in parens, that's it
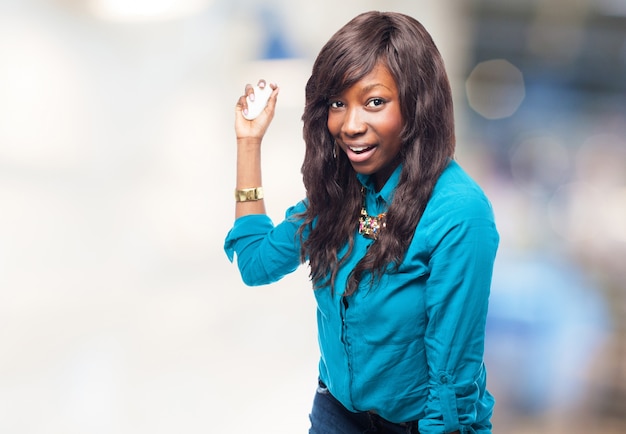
(254, 130)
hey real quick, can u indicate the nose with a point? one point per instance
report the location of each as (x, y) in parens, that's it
(353, 123)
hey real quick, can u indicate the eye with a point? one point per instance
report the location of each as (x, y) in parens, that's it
(336, 104)
(375, 102)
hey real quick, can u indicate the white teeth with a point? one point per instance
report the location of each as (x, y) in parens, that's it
(358, 148)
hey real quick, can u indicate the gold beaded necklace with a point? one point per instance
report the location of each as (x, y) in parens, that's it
(370, 226)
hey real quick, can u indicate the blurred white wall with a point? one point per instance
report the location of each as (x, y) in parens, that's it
(119, 311)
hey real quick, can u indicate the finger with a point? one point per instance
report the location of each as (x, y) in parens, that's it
(250, 89)
(249, 92)
(242, 105)
(271, 103)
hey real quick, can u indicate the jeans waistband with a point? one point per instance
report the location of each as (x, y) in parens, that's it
(375, 416)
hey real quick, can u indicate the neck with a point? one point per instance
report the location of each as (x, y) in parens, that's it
(382, 176)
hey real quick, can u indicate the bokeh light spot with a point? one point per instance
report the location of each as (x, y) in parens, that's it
(539, 164)
(573, 211)
(495, 89)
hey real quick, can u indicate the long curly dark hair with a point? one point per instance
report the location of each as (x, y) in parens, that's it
(404, 46)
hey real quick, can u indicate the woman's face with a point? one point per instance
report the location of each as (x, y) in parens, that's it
(366, 122)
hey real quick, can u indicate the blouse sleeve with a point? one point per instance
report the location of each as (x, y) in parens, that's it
(464, 241)
(265, 253)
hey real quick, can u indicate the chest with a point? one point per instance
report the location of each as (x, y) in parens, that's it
(384, 312)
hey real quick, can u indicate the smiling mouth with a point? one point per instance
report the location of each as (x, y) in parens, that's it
(360, 149)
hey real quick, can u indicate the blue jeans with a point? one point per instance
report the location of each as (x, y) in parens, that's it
(328, 416)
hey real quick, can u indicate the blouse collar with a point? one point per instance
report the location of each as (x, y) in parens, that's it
(385, 193)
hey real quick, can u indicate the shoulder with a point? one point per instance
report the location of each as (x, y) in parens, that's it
(296, 211)
(458, 210)
(454, 180)
(457, 193)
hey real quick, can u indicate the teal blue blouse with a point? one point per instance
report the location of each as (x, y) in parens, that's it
(411, 346)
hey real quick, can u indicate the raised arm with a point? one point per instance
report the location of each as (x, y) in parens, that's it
(249, 137)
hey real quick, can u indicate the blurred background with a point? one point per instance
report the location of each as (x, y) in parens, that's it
(120, 313)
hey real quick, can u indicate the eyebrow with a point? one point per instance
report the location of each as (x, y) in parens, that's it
(369, 87)
(365, 90)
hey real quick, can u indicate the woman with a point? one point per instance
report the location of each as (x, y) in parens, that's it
(400, 241)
